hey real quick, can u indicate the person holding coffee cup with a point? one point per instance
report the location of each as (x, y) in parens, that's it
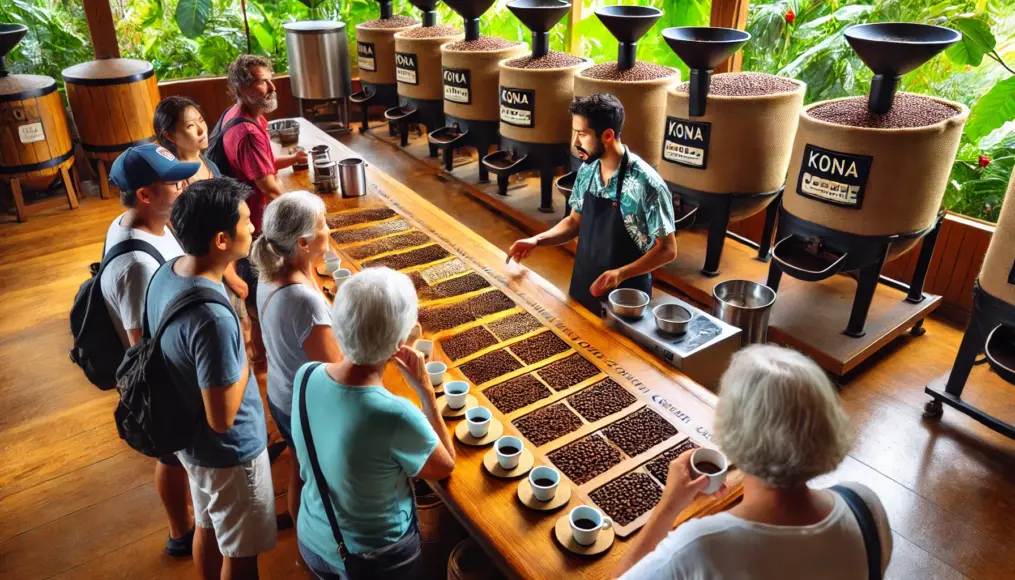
(368, 442)
(780, 422)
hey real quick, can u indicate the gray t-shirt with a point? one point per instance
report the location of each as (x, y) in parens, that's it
(292, 313)
(204, 349)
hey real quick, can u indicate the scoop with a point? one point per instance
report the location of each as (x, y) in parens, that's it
(10, 36)
(429, 10)
(702, 48)
(892, 49)
(628, 24)
(470, 11)
(539, 16)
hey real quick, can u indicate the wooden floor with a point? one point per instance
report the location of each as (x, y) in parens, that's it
(75, 502)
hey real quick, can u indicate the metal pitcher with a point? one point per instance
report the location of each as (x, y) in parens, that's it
(746, 305)
(352, 176)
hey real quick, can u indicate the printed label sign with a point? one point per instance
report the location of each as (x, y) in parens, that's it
(518, 106)
(406, 68)
(457, 85)
(365, 56)
(833, 177)
(31, 133)
(686, 142)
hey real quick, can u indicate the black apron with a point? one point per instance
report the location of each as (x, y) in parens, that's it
(604, 244)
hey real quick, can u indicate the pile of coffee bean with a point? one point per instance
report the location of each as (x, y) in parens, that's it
(552, 59)
(544, 425)
(660, 466)
(438, 318)
(748, 84)
(490, 366)
(423, 255)
(629, 496)
(568, 372)
(369, 232)
(601, 400)
(514, 325)
(489, 303)
(463, 344)
(641, 71)
(586, 458)
(539, 347)
(907, 111)
(359, 217)
(419, 283)
(445, 270)
(461, 285)
(481, 44)
(639, 431)
(516, 393)
(393, 22)
(431, 31)
(399, 242)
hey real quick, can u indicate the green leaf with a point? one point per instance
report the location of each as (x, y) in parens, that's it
(192, 16)
(977, 40)
(994, 109)
(263, 37)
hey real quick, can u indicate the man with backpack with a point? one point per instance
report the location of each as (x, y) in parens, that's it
(202, 349)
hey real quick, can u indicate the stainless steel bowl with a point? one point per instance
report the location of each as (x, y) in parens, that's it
(628, 302)
(672, 318)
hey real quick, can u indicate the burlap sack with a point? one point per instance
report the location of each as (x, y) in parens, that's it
(484, 82)
(999, 263)
(383, 40)
(908, 173)
(430, 86)
(750, 139)
(644, 111)
(554, 91)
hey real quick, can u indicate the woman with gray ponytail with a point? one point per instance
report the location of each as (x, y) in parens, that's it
(295, 317)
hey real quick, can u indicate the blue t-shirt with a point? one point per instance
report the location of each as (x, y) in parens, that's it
(203, 347)
(369, 443)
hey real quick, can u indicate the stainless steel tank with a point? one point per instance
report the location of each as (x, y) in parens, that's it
(319, 66)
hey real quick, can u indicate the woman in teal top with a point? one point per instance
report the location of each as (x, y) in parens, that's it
(368, 441)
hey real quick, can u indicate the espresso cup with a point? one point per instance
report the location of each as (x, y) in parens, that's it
(544, 482)
(332, 263)
(509, 451)
(436, 371)
(424, 346)
(340, 276)
(455, 393)
(586, 523)
(711, 464)
(478, 420)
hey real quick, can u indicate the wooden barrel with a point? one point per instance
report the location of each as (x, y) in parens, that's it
(469, 562)
(113, 102)
(35, 141)
(997, 277)
(472, 81)
(545, 120)
(439, 531)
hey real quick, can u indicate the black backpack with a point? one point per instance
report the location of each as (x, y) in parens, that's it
(156, 416)
(97, 347)
(216, 151)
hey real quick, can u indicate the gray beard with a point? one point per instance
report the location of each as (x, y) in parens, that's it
(265, 105)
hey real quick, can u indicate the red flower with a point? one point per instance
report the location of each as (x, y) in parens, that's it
(790, 16)
(984, 161)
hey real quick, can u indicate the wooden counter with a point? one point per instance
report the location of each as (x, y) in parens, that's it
(518, 539)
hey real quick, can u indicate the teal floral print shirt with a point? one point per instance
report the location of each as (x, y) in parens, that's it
(645, 204)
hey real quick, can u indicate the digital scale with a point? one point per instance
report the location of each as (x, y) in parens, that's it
(702, 353)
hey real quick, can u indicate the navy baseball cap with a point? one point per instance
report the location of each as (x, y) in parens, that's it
(142, 166)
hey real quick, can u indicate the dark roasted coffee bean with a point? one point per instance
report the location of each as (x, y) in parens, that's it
(489, 303)
(489, 366)
(389, 244)
(417, 257)
(641, 71)
(461, 285)
(468, 342)
(552, 59)
(660, 466)
(370, 232)
(352, 218)
(907, 111)
(438, 318)
(639, 431)
(601, 400)
(516, 393)
(539, 347)
(544, 425)
(586, 458)
(393, 22)
(567, 372)
(746, 84)
(628, 497)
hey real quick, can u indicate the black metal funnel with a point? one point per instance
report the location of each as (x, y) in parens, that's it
(429, 10)
(702, 48)
(470, 11)
(539, 16)
(892, 49)
(386, 11)
(628, 24)
(10, 36)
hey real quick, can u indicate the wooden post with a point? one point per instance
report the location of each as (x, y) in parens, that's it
(101, 28)
(573, 18)
(730, 14)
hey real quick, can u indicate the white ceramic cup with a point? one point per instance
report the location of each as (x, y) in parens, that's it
(717, 459)
(544, 492)
(332, 263)
(340, 275)
(436, 371)
(424, 346)
(587, 536)
(478, 420)
(508, 461)
(455, 392)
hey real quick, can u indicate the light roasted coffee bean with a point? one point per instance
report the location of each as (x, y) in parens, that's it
(431, 31)
(552, 59)
(907, 111)
(482, 44)
(641, 71)
(748, 84)
(393, 22)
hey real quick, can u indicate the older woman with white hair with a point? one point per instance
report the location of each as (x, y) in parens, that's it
(359, 444)
(780, 422)
(295, 317)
